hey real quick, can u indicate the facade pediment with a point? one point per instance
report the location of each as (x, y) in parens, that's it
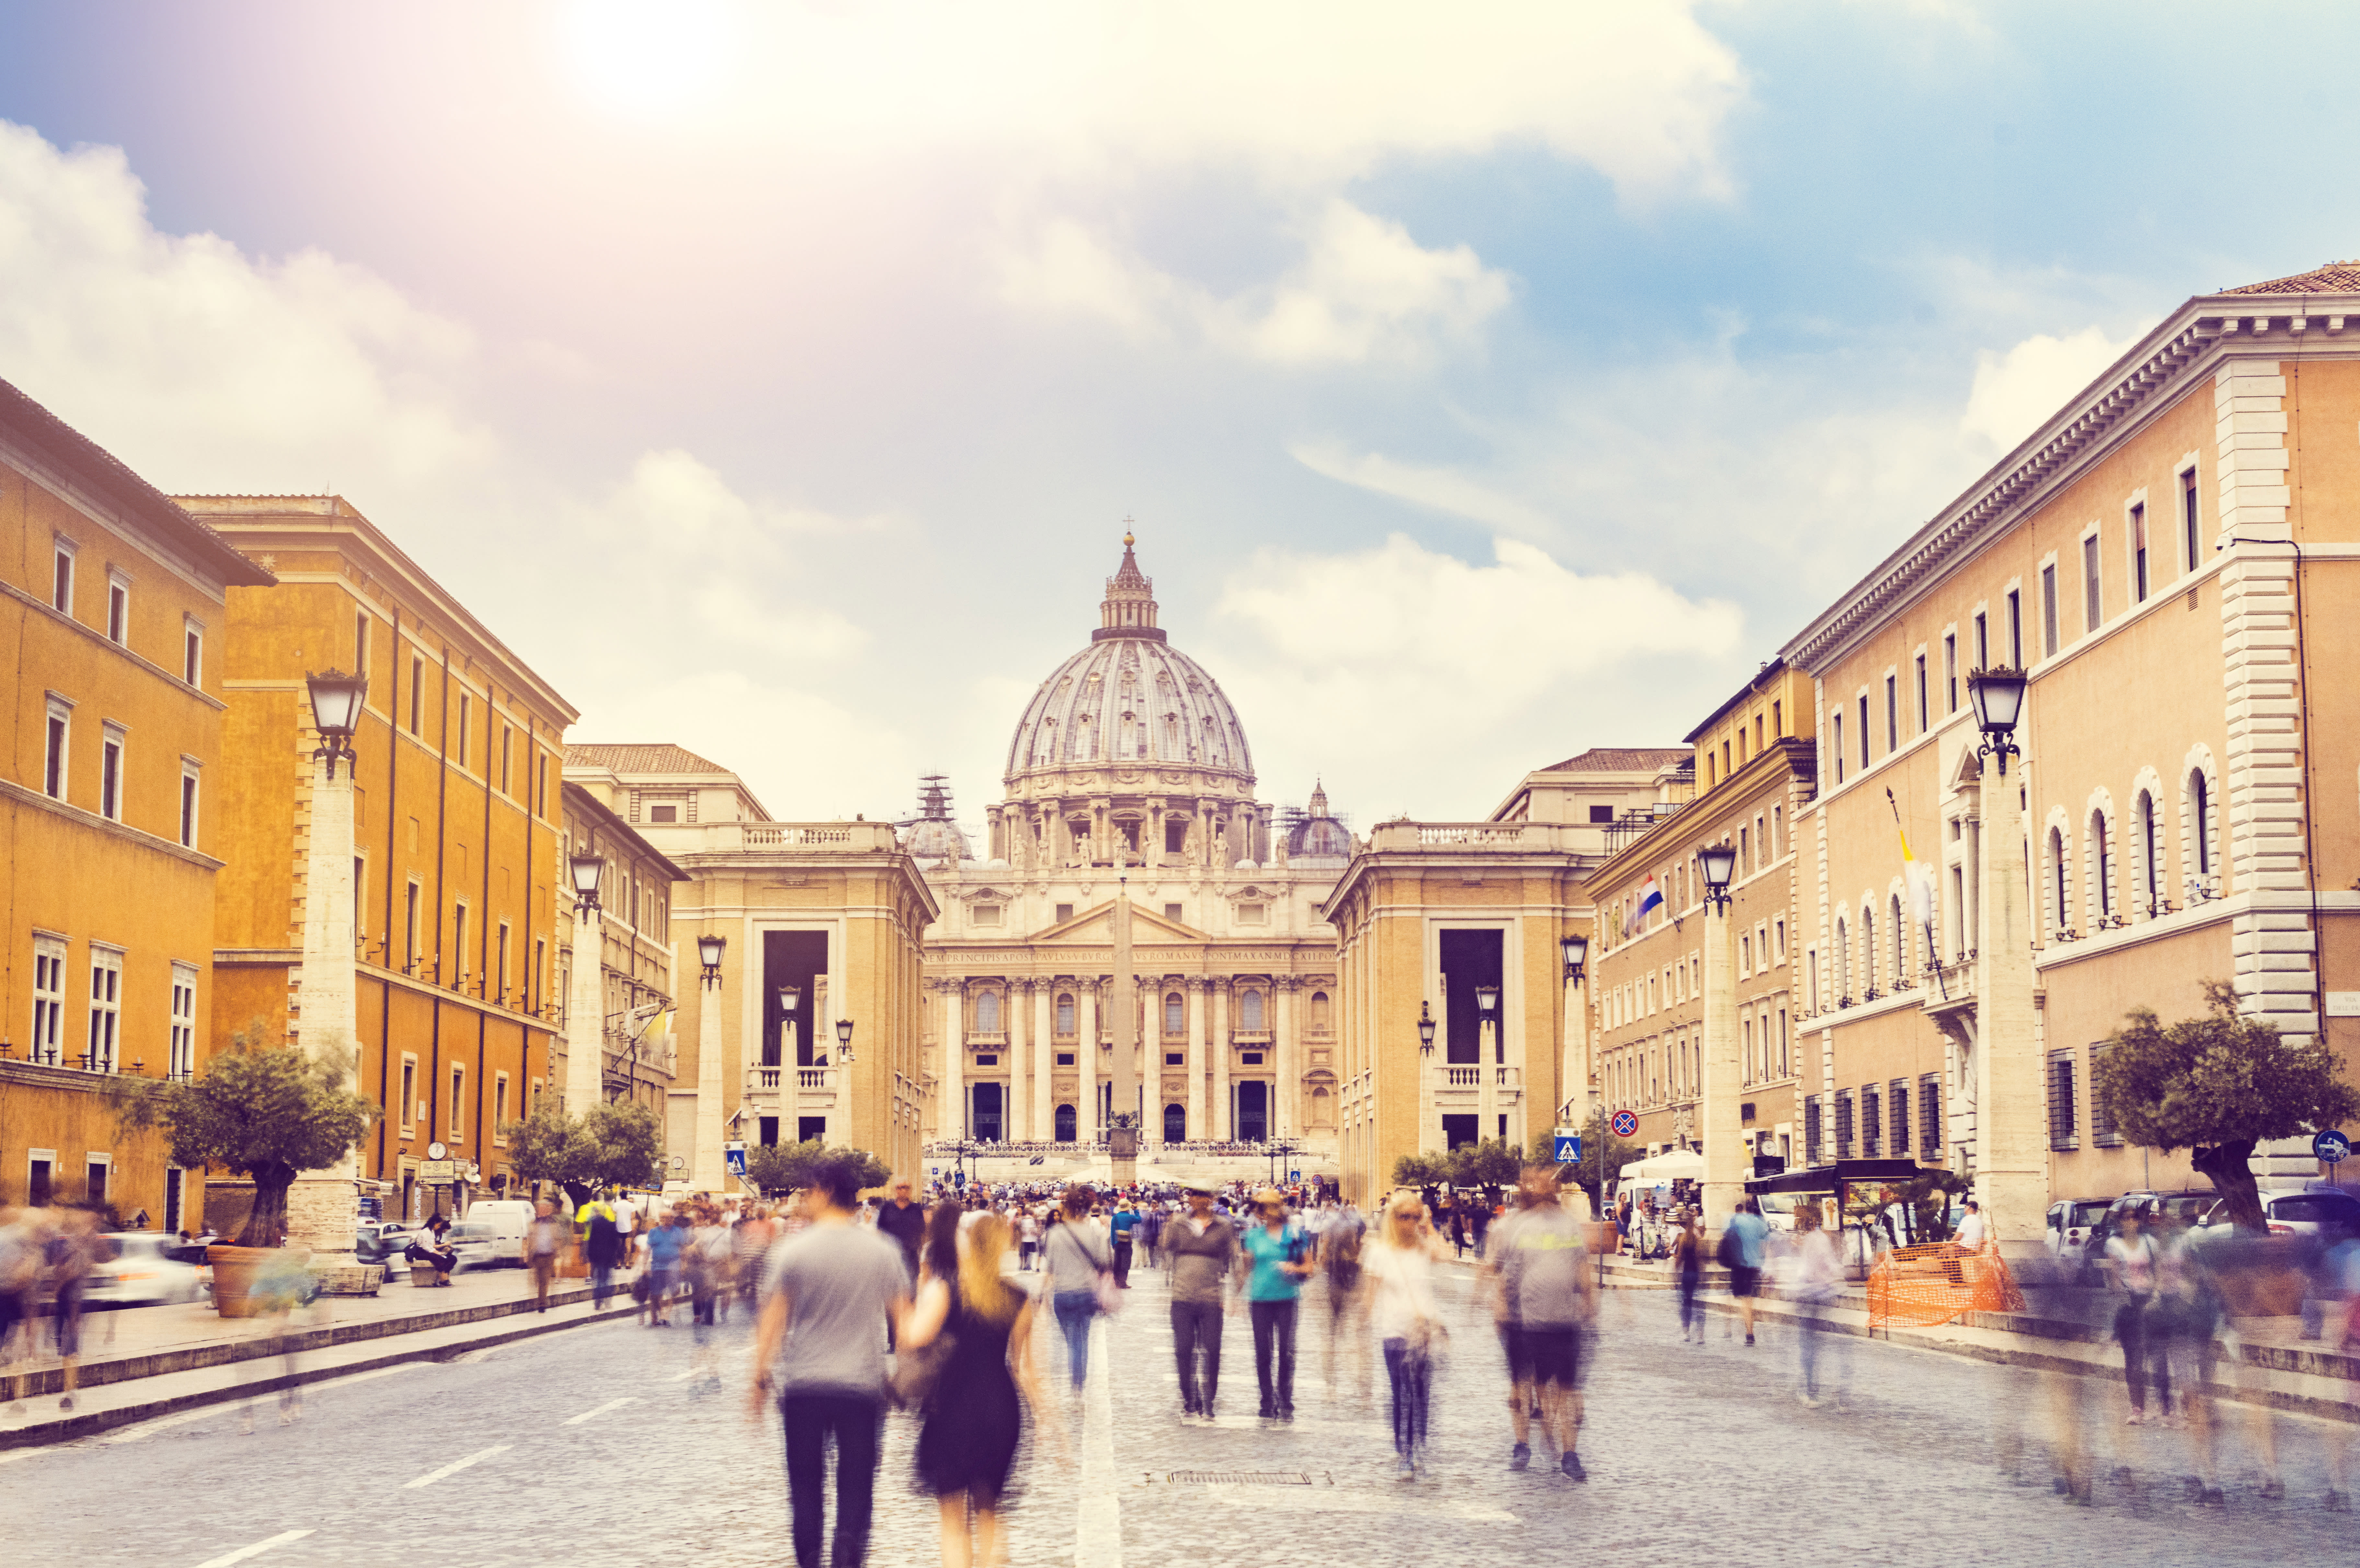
(1095, 927)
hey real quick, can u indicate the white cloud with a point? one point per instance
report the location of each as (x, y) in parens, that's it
(1410, 665)
(209, 370)
(2015, 391)
(1364, 290)
(1436, 489)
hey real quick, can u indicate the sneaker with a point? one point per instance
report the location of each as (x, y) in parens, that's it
(1749, 1339)
(1571, 1466)
(2137, 1418)
(1520, 1457)
(1808, 1402)
(66, 1403)
(1406, 1470)
(2274, 1488)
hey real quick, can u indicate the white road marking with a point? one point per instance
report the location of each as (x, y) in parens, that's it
(455, 1466)
(684, 1377)
(257, 1549)
(365, 1376)
(1097, 1515)
(1321, 1499)
(602, 1409)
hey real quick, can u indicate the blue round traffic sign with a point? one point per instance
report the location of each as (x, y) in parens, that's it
(1626, 1125)
(2332, 1148)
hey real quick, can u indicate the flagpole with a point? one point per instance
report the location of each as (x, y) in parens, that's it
(1909, 871)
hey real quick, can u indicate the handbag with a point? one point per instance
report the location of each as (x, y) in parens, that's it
(916, 1372)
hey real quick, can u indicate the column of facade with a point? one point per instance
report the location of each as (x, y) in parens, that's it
(1086, 1060)
(324, 1205)
(1221, 1127)
(1014, 1121)
(1044, 1058)
(1197, 1064)
(954, 1100)
(1288, 1091)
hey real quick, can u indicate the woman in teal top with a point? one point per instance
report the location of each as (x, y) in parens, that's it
(1275, 1258)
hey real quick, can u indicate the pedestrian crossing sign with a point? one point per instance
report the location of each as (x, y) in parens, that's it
(1568, 1148)
(733, 1155)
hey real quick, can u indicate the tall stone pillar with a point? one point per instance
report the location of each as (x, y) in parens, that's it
(954, 1117)
(1124, 998)
(1086, 1060)
(324, 1205)
(1196, 1064)
(1724, 1154)
(586, 1014)
(707, 1171)
(1574, 1102)
(1288, 1091)
(1222, 1129)
(2011, 1146)
(1013, 1116)
(1044, 1058)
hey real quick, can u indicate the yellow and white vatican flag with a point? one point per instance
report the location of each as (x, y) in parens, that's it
(1917, 877)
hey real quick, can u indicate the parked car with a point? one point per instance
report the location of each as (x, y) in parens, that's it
(142, 1273)
(477, 1245)
(2071, 1224)
(2188, 1207)
(509, 1219)
(2298, 1213)
(379, 1243)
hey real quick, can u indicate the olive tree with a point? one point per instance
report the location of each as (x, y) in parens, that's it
(2218, 1085)
(773, 1169)
(616, 1144)
(269, 1112)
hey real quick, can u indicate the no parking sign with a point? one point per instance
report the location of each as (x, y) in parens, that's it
(1626, 1125)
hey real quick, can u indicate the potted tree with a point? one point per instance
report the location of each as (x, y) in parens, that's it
(269, 1112)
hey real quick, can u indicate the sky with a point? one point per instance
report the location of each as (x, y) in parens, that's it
(1482, 383)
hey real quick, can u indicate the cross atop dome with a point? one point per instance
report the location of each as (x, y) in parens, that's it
(1129, 608)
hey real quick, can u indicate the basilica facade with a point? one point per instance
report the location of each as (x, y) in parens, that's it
(1129, 778)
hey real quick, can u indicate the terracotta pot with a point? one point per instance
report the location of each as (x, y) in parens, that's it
(234, 1272)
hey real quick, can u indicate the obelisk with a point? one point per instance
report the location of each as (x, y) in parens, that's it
(1122, 1127)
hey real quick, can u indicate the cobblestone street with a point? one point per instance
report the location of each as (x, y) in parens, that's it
(599, 1445)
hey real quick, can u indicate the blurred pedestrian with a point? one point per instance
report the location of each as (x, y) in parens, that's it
(1407, 1321)
(602, 1246)
(1125, 1221)
(1688, 1274)
(1817, 1286)
(750, 1241)
(1274, 1262)
(1498, 1288)
(902, 1218)
(1545, 1265)
(2132, 1262)
(1748, 1234)
(283, 1283)
(1342, 1246)
(20, 1279)
(974, 1417)
(1200, 1250)
(74, 1251)
(1028, 1238)
(1151, 1228)
(667, 1244)
(819, 1345)
(544, 1239)
(1079, 1264)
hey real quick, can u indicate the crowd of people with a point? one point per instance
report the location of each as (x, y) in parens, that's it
(48, 1255)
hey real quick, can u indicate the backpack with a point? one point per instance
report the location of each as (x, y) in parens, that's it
(1729, 1254)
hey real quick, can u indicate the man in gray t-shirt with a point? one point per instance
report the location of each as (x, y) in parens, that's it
(1545, 1270)
(820, 1345)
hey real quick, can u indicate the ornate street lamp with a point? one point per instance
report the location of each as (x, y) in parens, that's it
(844, 1039)
(585, 869)
(1424, 1029)
(709, 954)
(1577, 952)
(1998, 698)
(1717, 862)
(336, 713)
(1487, 999)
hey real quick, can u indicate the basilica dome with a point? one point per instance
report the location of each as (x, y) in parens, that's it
(1130, 700)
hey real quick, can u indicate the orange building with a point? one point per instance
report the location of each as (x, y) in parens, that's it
(428, 951)
(2174, 557)
(112, 799)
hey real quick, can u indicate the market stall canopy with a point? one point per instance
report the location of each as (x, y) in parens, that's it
(1828, 1178)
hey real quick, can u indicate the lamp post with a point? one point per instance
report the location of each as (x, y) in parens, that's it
(1724, 1165)
(585, 1007)
(1429, 1114)
(1278, 1148)
(1574, 1077)
(335, 712)
(2011, 1160)
(788, 996)
(1489, 1058)
(587, 871)
(709, 1160)
(843, 1042)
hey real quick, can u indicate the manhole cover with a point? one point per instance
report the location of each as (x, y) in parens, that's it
(1238, 1477)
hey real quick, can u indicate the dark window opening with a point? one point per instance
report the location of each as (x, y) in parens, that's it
(1470, 959)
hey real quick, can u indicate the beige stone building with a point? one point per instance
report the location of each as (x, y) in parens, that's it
(1130, 776)
(1431, 915)
(830, 913)
(627, 1048)
(1752, 774)
(2174, 556)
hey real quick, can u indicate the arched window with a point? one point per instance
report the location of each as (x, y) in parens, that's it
(1175, 1014)
(1083, 749)
(1868, 952)
(1320, 1113)
(1748, 1057)
(1320, 1021)
(1065, 1124)
(987, 1013)
(1843, 964)
(1066, 1014)
(2101, 864)
(2150, 848)
(2200, 824)
(1900, 940)
(1250, 1010)
(1176, 1123)
(2056, 880)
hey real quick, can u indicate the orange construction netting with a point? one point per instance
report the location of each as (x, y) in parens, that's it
(1917, 1287)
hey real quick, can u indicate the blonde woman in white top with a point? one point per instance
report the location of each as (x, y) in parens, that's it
(1399, 1262)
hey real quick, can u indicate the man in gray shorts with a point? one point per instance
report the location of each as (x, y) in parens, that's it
(1545, 1270)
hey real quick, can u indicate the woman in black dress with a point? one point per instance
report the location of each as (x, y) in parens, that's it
(975, 1415)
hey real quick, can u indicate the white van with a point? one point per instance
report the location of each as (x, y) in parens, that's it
(507, 1219)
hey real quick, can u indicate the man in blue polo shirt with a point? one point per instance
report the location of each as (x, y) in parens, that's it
(1275, 1257)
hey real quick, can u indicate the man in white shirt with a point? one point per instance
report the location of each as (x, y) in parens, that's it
(1973, 1230)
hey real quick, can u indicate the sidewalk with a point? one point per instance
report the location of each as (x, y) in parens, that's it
(2069, 1329)
(139, 1361)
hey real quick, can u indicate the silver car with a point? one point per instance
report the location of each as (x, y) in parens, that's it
(2297, 1214)
(2071, 1226)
